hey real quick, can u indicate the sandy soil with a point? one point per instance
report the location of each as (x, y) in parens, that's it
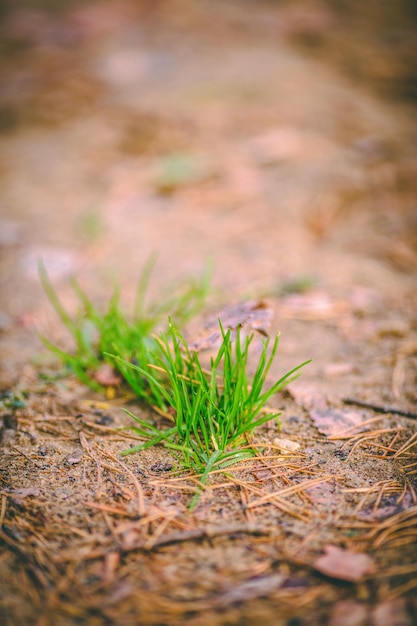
(292, 128)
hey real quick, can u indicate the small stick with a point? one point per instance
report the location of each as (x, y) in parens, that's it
(380, 409)
(26, 456)
(3, 509)
(200, 533)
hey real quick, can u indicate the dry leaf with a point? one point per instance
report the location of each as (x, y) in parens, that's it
(392, 613)
(255, 315)
(349, 613)
(344, 565)
(75, 457)
(248, 590)
(119, 592)
(332, 422)
(391, 506)
(322, 494)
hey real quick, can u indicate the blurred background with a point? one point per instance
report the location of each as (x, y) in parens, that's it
(276, 138)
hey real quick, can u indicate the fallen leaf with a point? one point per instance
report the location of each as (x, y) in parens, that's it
(121, 591)
(349, 613)
(75, 457)
(255, 315)
(333, 422)
(344, 565)
(391, 507)
(322, 494)
(248, 590)
(392, 613)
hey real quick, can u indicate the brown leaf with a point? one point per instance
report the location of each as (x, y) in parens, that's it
(75, 457)
(120, 592)
(249, 590)
(322, 494)
(332, 422)
(344, 565)
(255, 315)
(392, 613)
(349, 613)
(391, 507)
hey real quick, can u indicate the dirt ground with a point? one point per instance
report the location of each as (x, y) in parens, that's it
(276, 140)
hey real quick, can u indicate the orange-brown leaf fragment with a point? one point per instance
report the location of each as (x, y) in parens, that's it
(254, 315)
(392, 612)
(333, 422)
(344, 565)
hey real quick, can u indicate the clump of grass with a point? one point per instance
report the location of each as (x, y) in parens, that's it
(96, 333)
(213, 410)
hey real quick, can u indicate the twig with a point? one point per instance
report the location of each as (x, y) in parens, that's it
(139, 491)
(380, 409)
(410, 443)
(3, 509)
(26, 456)
(289, 490)
(199, 534)
(110, 509)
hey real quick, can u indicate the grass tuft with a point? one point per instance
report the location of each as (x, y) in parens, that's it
(215, 409)
(212, 410)
(96, 334)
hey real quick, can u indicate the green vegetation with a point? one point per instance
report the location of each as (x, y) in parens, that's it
(178, 170)
(95, 334)
(212, 410)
